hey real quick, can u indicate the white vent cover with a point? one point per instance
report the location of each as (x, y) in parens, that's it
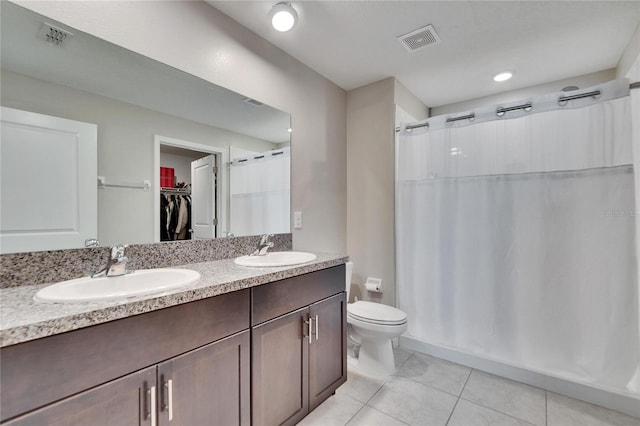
(53, 35)
(419, 39)
(253, 102)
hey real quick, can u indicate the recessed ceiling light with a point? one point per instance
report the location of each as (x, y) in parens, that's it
(283, 16)
(503, 76)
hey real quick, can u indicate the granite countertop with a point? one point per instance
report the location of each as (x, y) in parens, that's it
(23, 319)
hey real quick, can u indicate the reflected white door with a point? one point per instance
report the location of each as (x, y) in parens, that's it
(48, 182)
(203, 204)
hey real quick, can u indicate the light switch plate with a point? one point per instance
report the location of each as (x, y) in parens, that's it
(297, 220)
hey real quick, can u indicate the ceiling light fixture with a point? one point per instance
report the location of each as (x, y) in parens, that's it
(283, 16)
(503, 76)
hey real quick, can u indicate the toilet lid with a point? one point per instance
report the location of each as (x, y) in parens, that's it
(376, 313)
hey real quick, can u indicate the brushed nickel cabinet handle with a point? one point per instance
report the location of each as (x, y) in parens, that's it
(307, 322)
(150, 405)
(170, 394)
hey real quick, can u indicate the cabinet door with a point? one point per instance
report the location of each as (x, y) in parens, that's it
(207, 386)
(125, 401)
(328, 351)
(279, 382)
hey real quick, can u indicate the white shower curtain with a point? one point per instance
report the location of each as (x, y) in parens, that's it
(259, 188)
(516, 237)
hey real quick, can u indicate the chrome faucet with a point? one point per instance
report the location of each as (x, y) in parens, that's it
(117, 264)
(91, 242)
(263, 246)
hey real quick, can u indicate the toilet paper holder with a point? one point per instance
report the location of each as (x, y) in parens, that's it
(373, 284)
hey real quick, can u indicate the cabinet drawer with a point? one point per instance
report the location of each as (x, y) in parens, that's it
(46, 370)
(278, 298)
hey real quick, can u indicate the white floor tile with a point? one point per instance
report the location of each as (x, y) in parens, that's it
(400, 356)
(413, 402)
(368, 416)
(565, 411)
(361, 386)
(435, 372)
(515, 399)
(337, 410)
(412, 397)
(469, 414)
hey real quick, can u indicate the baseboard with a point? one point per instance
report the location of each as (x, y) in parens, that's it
(626, 404)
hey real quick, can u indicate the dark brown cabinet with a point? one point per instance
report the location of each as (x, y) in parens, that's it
(70, 377)
(280, 362)
(262, 356)
(299, 358)
(207, 386)
(126, 401)
(327, 353)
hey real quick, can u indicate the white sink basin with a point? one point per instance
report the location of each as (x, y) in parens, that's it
(138, 283)
(275, 258)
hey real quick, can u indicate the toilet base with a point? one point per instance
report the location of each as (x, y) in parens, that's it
(376, 357)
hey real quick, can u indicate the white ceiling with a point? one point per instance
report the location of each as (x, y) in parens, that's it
(353, 43)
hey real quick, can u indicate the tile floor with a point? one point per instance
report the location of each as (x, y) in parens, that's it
(428, 391)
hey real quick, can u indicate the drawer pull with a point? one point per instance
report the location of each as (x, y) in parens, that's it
(167, 397)
(170, 393)
(150, 405)
(308, 333)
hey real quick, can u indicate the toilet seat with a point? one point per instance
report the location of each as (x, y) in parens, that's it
(376, 313)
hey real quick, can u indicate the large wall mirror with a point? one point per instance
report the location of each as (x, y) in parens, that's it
(100, 142)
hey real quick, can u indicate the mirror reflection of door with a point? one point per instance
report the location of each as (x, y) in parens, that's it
(48, 172)
(203, 195)
(188, 194)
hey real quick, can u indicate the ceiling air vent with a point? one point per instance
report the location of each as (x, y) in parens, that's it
(419, 39)
(253, 102)
(53, 35)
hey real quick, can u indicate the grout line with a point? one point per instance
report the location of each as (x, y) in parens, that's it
(376, 392)
(452, 410)
(459, 396)
(385, 381)
(405, 361)
(429, 386)
(387, 414)
(546, 409)
(466, 381)
(498, 411)
(355, 414)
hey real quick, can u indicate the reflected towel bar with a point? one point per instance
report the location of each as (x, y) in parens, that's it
(102, 184)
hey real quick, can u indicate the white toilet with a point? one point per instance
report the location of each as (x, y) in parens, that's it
(373, 326)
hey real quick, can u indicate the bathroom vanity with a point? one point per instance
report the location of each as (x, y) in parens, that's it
(260, 346)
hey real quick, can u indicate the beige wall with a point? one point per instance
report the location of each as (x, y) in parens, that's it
(371, 182)
(627, 66)
(408, 102)
(198, 39)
